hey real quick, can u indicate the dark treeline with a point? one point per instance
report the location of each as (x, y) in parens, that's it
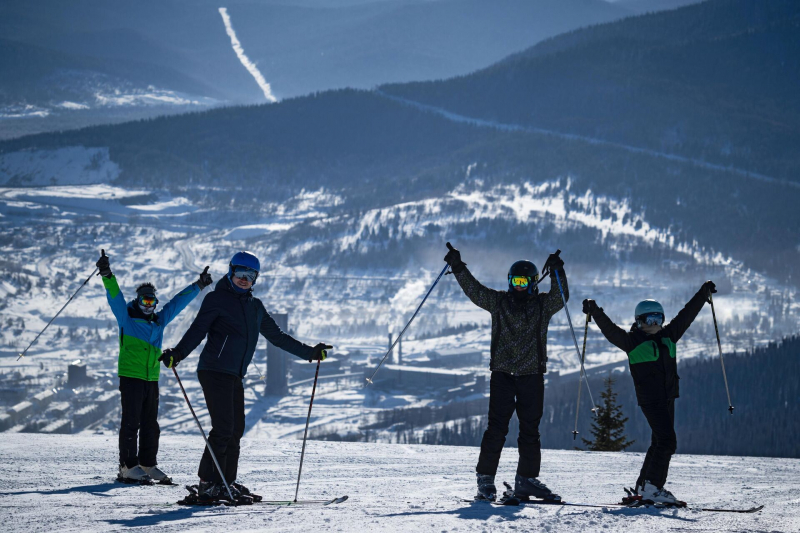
(764, 390)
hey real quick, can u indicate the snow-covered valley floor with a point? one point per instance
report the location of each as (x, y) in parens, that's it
(66, 483)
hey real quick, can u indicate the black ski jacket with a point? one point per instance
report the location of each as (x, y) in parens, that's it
(232, 322)
(519, 326)
(653, 358)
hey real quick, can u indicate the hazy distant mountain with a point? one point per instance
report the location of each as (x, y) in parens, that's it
(299, 47)
(715, 81)
(645, 6)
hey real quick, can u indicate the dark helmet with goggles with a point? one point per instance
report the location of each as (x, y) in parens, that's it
(523, 274)
(649, 313)
(146, 298)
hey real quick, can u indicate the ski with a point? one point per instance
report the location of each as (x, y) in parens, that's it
(129, 481)
(288, 503)
(502, 502)
(619, 505)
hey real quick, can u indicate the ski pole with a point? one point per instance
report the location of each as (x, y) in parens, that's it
(575, 339)
(369, 379)
(208, 445)
(56, 315)
(721, 360)
(305, 434)
(583, 356)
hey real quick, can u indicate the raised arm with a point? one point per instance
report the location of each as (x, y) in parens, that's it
(552, 300)
(274, 334)
(209, 311)
(678, 326)
(480, 295)
(615, 334)
(115, 298)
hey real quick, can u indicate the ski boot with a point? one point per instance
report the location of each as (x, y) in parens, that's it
(527, 487)
(157, 475)
(134, 475)
(209, 493)
(486, 489)
(244, 491)
(660, 497)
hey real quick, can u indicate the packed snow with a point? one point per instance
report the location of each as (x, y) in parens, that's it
(66, 483)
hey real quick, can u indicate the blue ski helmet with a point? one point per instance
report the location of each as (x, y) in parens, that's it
(524, 268)
(244, 259)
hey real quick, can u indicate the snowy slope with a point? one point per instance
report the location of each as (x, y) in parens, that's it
(66, 483)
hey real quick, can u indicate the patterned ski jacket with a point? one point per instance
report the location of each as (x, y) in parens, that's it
(519, 327)
(232, 321)
(140, 335)
(653, 358)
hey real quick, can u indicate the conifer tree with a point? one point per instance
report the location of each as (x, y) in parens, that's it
(608, 427)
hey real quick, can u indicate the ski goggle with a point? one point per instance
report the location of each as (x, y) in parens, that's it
(651, 319)
(147, 301)
(520, 281)
(249, 274)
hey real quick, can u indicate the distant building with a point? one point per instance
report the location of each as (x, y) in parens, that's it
(413, 378)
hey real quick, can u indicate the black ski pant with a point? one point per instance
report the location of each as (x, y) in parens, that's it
(224, 395)
(663, 443)
(139, 415)
(508, 393)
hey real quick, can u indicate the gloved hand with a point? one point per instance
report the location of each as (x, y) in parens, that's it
(554, 262)
(104, 265)
(205, 279)
(709, 288)
(589, 307)
(320, 352)
(170, 358)
(453, 258)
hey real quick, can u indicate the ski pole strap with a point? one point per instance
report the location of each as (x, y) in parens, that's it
(575, 340)
(208, 445)
(305, 433)
(369, 379)
(721, 359)
(56, 315)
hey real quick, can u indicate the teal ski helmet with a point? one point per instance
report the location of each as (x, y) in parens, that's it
(648, 307)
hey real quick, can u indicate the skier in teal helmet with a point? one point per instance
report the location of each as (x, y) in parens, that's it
(652, 356)
(230, 319)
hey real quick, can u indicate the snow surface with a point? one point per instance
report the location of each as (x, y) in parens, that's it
(66, 482)
(75, 165)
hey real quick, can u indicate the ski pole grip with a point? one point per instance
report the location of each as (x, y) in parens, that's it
(449, 246)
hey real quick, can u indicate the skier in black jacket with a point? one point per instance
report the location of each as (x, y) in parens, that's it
(652, 356)
(231, 319)
(520, 317)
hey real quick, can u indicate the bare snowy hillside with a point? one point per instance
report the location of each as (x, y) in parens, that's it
(66, 483)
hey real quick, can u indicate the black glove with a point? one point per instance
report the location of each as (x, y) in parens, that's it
(320, 352)
(589, 307)
(170, 358)
(205, 279)
(104, 265)
(554, 262)
(709, 288)
(453, 258)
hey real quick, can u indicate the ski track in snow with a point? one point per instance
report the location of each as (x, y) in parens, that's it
(455, 117)
(66, 483)
(249, 65)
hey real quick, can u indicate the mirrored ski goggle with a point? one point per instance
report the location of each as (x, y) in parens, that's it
(520, 281)
(651, 319)
(148, 301)
(245, 273)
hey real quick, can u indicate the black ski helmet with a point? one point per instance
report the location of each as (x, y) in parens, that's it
(524, 267)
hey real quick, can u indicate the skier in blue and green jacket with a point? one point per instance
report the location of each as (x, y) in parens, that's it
(141, 331)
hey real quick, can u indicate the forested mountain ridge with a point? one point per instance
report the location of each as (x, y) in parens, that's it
(714, 81)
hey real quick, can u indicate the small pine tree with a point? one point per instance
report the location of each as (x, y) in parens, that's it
(608, 427)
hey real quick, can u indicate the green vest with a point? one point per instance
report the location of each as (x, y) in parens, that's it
(647, 352)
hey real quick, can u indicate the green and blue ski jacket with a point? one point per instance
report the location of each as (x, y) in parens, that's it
(653, 358)
(140, 335)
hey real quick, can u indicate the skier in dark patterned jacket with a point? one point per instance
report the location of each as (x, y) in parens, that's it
(652, 356)
(520, 318)
(231, 320)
